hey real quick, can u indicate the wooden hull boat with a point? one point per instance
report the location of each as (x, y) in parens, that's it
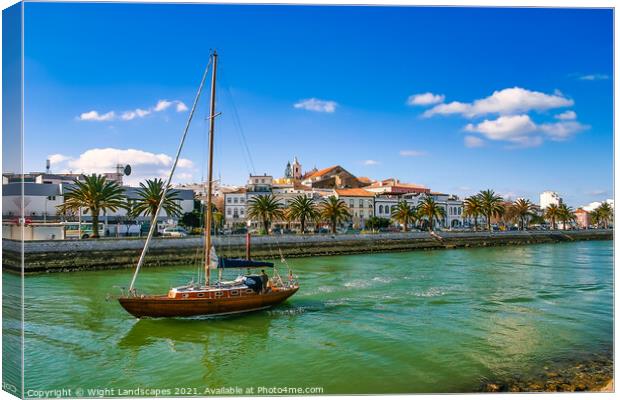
(213, 302)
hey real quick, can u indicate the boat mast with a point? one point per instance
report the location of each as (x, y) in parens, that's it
(209, 216)
(165, 190)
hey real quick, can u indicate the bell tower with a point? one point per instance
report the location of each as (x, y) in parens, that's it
(296, 169)
(288, 173)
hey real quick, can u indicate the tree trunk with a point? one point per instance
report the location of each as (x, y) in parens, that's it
(476, 223)
(266, 226)
(334, 226)
(488, 222)
(95, 214)
(303, 225)
(404, 226)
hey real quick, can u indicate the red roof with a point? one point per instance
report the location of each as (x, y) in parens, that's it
(322, 172)
(354, 193)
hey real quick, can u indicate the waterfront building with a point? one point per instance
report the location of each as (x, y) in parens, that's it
(360, 202)
(548, 197)
(582, 218)
(453, 209)
(40, 202)
(394, 186)
(235, 203)
(385, 203)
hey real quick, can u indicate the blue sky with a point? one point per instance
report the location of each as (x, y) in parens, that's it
(518, 100)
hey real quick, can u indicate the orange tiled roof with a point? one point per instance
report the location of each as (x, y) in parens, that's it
(391, 182)
(322, 172)
(354, 193)
(364, 179)
(299, 186)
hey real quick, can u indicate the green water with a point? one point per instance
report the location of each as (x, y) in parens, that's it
(435, 321)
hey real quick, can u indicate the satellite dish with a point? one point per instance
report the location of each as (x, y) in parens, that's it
(127, 170)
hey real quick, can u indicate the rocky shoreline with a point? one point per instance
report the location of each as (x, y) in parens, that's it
(592, 375)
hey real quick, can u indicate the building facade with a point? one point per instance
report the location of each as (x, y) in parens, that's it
(548, 197)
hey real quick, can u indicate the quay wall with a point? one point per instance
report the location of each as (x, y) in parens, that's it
(76, 255)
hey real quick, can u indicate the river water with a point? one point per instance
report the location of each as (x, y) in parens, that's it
(427, 321)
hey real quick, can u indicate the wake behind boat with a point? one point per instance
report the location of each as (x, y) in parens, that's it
(248, 292)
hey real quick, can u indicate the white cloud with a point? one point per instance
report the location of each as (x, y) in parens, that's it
(57, 158)
(504, 128)
(181, 107)
(137, 113)
(371, 162)
(144, 164)
(504, 102)
(559, 131)
(412, 153)
(595, 204)
(594, 77)
(317, 105)
(161, 105)
(425, 99)
(523, 132)
(473, 141)
(566, 115)
(95, 116)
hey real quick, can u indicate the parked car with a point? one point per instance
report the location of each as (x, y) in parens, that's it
(175, 231)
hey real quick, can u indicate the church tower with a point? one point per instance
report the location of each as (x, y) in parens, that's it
(296, 169)
(288, 172)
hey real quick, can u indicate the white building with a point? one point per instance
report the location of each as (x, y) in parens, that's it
(235, 207)
(548, 197)
(40, 201)
(361, 204)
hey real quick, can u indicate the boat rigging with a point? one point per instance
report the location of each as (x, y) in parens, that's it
(248, 292)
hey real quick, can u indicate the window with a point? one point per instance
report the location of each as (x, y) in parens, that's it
(241, 200)
(236, 200)
(381, 209)
(369, 203)
(241, 211)
(351, 204)
(361, 203)
(228, 211)
(228, 200)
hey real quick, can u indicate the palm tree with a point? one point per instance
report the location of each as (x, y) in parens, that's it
(335, 211)
(149, 195)
(431, 210)
(491, 205)
(552, 213)
(265, 208)
(472, 207)
(566, 214)
(96, 194)
(403, 213)
(604, 213)
(303, 208)
(523, 209)
(595, 217)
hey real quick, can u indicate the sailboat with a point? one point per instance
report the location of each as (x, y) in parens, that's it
(248, 292)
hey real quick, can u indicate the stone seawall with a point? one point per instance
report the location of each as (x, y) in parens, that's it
(75, 255)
